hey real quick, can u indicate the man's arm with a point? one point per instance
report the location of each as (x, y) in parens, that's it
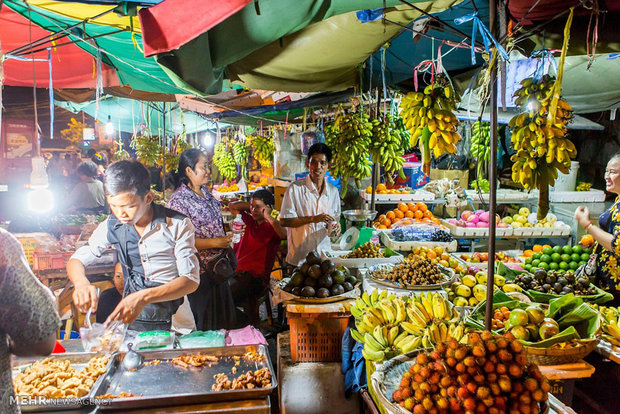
(277, 227)
(236, 207)
(130, 307)
(302, 221)
(85, 294)
(289, 216)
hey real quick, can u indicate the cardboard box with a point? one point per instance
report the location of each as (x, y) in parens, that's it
(461, 175)
(278, 192)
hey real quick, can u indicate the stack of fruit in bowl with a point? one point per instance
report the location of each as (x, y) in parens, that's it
(382, 189)
(476, 219)
(472, 288)
(530, 324)
(558, 258)
(437, 255)
(481, 257)
(406, 214)
(525, 218)
(555, 283)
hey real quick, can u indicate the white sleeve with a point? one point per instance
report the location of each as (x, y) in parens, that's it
(288, 203)
(185, 251)
(97, 244)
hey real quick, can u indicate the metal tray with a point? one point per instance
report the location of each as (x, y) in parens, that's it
(449, 274)
(78, 360)
(167, 384)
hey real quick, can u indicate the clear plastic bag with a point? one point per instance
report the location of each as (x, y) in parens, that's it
(98, 338)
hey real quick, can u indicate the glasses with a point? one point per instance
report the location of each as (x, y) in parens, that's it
(610, 172)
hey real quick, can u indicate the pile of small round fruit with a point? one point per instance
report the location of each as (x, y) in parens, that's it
(530, 324)
(559, 258)
(366, 250)
(500, 316)
(488, 375)
(436, 255)
(415, 272)
(555, 282)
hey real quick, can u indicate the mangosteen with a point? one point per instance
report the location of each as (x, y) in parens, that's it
(325, 281)
(533, 285)
(313, 258)
(527, 279)
(566, 290)
(314, 271)
(327, 267)
(308, 291)
(546, 287)
(337, 290)
(557, 287)
(322, 293)
(540, 275)
(562, 280)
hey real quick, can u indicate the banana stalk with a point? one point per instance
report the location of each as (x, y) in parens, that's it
(426, 151)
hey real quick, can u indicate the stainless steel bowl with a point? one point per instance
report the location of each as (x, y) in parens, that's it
(359, 215)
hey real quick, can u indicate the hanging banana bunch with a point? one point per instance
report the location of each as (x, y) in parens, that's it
(148, 149)
(539, 137)
(240, 155)
(264, 148)
(480, 137)
(428, 115)
(386, 147)
(350, 137)
(224, 161)
(403, 133)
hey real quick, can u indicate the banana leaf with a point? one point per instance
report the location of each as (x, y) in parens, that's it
(561, 305)
(387, 252)
(600, 297)
(571, 311)
(567, 334)
(508, 273)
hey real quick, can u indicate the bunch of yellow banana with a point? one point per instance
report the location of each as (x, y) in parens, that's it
(386, 147)
(264, 148)
(442, 332)
(350, 137)
(224, 161)
(611, 328)
(539, 137)
(432, 109)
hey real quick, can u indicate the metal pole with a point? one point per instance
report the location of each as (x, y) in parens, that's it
(163, 156)
(492, 173)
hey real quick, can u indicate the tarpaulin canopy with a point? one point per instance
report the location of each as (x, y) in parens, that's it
(503, 117)
(71, 66)
(129, 115)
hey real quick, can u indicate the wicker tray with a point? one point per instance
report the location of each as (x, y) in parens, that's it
(352, 294)
(386, 379)
(558, 356)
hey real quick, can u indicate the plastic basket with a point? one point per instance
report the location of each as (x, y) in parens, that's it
(51, 261)
(317, 337)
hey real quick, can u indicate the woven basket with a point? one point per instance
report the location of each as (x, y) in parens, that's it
(558, 356)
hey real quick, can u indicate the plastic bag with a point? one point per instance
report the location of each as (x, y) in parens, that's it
(154, 340)
(98, 338)
(200, 339)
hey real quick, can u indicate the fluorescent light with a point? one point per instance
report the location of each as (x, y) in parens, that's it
(109, 126)
(207, 139)
(40, 200)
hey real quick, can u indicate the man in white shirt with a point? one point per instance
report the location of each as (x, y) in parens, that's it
(309, 206)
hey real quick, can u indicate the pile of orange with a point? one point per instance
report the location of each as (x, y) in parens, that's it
(406, 214)
(382, 189)
(538, 248)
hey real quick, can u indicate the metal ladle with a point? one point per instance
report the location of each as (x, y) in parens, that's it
(132, 360)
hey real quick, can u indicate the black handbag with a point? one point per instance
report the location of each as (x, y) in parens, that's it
(223, 266)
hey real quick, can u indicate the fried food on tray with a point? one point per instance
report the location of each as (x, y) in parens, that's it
(257, 379)
(253, 356)
(56, 378)
(122, 394)
(154, 362)
(194, 360)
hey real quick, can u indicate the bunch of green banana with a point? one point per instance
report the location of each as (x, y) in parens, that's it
(386, 147)
(403, 133)
(431, 110)
(539, 137)
(148, 149)
(483, 184)
(609, 323)
(240, 155)
(350, 137)
(583, 186)
(224, 161)
(480, 136)
(264, 148)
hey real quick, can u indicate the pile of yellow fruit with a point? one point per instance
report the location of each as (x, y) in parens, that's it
(382, 189)
(263, 182)
(228, 189)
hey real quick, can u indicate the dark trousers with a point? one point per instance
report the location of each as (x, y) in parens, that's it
(246, 290)
(212, 304)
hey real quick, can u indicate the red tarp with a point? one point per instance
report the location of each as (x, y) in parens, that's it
(172, 23)
(72, 67)
(548, 9)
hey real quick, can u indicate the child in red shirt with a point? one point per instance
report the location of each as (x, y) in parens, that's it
(256, 252)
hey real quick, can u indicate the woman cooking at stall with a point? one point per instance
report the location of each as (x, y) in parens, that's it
(212, 303)
(604, 264)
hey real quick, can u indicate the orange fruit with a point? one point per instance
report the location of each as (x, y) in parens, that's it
(409, 214)
(381, 226)
(419, 214)
(528, 253)
(411, 206)
(407, 222)
(587, 240)
(386, 222)
(390, 215)
(421, 206)
(547, 245)
(445, 256)
(402, 207)
(399, 214)
(431, 254)
(381, 187)
(428, 214)
(381, 217)
(537, 248)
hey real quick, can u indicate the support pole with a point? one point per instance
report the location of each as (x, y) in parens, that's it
(163, 156)
(492, 172)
